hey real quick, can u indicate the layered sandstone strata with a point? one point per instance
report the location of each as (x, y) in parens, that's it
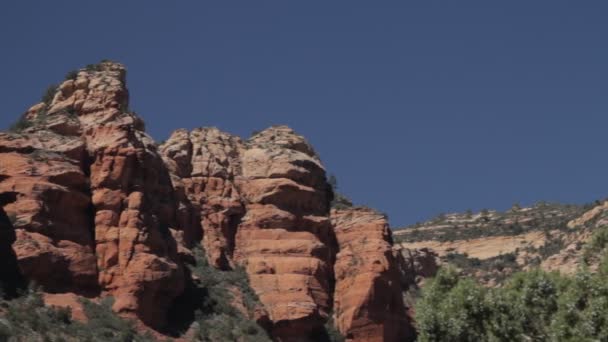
(93, 201)
(91, 206)
(368, 303)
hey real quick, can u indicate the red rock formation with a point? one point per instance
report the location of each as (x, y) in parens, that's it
(204, 164)
(285, 238)
(368, 305)
(50, 216)
(262, 204)
(94, 198)
(97, 209)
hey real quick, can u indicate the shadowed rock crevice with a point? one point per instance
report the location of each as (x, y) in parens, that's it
(11, 279)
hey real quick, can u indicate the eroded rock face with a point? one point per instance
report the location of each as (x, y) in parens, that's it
(94, 208)
(51, 220)
(261, 204)
(368, 305)
(416, 265)
(285, 239)
(90, 206)
(204, 164)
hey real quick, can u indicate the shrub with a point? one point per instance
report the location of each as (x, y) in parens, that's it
(27, 319)
(333, 335)
(71, 112)
(21, 124)
(338, 201)
(597, 243)
(72, 75)
(49, 94)
(451, 309)
(93, 67)
(12, 218)
(532, 306)
(216, 318)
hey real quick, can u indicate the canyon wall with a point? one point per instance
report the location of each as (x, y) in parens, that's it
(91, 205)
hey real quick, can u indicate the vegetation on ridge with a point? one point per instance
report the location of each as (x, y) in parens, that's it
(542, 216)
(26, 318)
(339, 201)
(532, 306)
(211, 300)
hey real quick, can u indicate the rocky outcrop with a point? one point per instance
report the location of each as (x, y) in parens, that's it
(416, 265)
(368, 305)
(91, 206)
(51, 220)
(204, 164)
(571, 257)
(285, 238)
(262, 204)
(93, 197)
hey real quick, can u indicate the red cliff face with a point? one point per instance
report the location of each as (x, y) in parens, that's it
(204, 164)
(368, 302)
(90, 214)
(90, 205)
(285, 238)
(261, 204)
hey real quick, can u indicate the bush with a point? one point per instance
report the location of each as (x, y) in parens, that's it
(49, 94)
(21, 124)
(93, 67)
(72, 75)
(26, 318)
(451, 309)
(338, 201)
(597, 243)
(216, 318)
(532, 306)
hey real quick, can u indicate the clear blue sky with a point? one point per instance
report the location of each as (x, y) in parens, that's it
(418, 107)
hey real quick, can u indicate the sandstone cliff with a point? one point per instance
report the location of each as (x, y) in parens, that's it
(91, 206)
(368, 303)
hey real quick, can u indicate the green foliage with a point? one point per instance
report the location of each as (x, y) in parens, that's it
(216, 318)
(71, 75)
(26, 318)
(466, 226)
(105, 325)
(339, 201)
(597, 243)
(12, 218)
(93, 67)
(451, 309)
(71, 112)
(21, 124)
(49, 94)
(333, 335)
(532, 306)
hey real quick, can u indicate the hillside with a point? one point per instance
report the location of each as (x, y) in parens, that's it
(491, 245)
